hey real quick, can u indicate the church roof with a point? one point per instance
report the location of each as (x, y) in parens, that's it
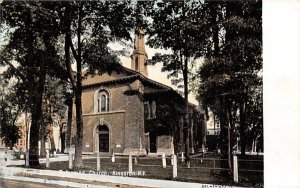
(132, 75)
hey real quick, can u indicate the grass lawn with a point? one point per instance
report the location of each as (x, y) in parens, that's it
(201, 172)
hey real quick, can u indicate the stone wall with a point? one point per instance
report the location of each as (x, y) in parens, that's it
(134, 126)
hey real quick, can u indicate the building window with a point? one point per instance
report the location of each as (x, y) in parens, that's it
(150, 110)
(153, 110)
(147, 110)
(103, 101)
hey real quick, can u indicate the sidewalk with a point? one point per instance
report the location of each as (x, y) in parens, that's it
(93, 179)
(57, 157)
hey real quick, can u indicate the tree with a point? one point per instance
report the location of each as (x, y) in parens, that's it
(87, 28)
(92, 26)
(32, 46)
(231, 73)
(178, 26)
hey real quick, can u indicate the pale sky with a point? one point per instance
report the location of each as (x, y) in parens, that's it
(154, 71)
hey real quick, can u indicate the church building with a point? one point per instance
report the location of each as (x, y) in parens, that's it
(126, 112)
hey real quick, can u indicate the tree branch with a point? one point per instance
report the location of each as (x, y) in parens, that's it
(18, 73)
(68, 44)
(73, 49)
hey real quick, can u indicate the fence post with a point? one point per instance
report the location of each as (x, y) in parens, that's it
(235, 169)
(27, 158)
(182, 157)
(98, 161)
(113, 159)
(130, 163)
(214, 160)
(163, 157)
(202, 154)
(70, 160)
(135, 160)
(174, 166)
(47, 158)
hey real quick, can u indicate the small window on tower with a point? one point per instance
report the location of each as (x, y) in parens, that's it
(136, 63)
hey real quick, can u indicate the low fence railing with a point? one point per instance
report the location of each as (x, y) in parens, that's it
(169, 165)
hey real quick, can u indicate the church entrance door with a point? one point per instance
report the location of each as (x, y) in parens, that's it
(103, 133)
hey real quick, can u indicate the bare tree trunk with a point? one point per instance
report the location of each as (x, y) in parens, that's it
(70, 74)
(186, 117)
(42, 139)
(79, 131)
(27, 130)
(69, 122)
(224, 137)
(231, 117)
(36, 112)
(242, 128)
(36, 99)
(78, 93)
(229, 149)
(77, 85)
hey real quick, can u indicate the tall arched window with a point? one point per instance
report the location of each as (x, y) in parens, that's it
(103, 101)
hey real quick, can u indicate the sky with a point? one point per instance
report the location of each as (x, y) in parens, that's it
(154, 71)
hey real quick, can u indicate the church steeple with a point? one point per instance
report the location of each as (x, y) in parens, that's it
(139, 55)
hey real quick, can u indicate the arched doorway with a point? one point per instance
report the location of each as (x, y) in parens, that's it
(103, 135)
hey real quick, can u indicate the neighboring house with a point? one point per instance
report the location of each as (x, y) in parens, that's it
(212, 132)
(126, 112)
(21, 143)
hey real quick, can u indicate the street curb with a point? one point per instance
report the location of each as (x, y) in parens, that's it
(53, 182)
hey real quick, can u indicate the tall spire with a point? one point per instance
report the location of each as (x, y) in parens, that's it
(139, 55)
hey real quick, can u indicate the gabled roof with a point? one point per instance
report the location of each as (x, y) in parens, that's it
(133, 75)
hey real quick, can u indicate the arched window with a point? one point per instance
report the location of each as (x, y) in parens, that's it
(103, 101)
(102, 129)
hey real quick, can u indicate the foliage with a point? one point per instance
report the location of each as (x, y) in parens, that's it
(9, 113)
(88, 28)
(36, 43)
(180, 27)
(30, 54)
(231, 73)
